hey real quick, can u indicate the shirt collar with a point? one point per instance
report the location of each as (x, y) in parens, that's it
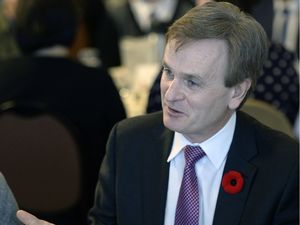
(216, 147)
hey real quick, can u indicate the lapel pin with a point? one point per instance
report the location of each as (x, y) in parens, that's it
(232, 182)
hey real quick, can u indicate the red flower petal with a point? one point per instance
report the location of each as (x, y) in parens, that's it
(232, 182)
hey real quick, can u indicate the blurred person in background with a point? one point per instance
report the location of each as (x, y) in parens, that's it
(102, 47)
(141, 17)
(145, 21)
(46, 74)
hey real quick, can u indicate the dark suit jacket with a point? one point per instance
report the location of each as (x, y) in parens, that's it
(133, 179)
(86, 97)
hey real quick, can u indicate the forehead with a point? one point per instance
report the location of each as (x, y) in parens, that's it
(197, 56)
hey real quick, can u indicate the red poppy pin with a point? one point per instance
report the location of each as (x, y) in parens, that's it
(232, 182)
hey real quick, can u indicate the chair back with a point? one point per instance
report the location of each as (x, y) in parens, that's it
(268, 115)
(40, 159)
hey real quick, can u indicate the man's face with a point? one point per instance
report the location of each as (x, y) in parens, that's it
(195, 100)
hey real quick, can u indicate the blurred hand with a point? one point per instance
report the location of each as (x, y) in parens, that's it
(29, 219)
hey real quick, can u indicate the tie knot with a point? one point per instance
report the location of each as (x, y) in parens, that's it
(193, 154)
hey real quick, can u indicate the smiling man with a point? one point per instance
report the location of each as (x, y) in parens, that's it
(212, 59)
(196, 102)
(201, 161)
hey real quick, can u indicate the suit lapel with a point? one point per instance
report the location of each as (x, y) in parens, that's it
(155, 176)
(230, 207)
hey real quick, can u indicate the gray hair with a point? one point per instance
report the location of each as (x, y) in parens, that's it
(246, 39)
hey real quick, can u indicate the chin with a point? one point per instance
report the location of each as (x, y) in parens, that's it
(172, 124)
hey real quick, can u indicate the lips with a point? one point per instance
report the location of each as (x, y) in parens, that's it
(173, 112)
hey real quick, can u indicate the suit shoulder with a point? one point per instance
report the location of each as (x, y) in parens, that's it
(278, 143)
(271, 140)
(141, 123)
(140, 126)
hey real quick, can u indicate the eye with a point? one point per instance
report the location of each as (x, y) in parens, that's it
(192, 83)
(167, 73)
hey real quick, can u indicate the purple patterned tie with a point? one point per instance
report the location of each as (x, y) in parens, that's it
(187, 210)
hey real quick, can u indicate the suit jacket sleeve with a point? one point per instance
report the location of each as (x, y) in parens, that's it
(104, 209)
(8, 204)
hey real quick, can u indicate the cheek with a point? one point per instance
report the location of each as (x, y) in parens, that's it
(207, 103)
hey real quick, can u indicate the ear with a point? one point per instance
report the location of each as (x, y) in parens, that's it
(239, 92)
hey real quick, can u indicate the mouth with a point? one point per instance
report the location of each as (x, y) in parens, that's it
(173, 112)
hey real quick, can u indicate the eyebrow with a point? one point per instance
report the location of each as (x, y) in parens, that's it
(186, 75)
(193, 76)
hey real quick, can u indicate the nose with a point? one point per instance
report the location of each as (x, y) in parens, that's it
(173, 91)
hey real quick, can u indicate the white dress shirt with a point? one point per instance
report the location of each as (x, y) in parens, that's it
(209, 172)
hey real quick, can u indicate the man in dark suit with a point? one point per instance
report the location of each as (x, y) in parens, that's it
(47, 76)
(200, 161)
